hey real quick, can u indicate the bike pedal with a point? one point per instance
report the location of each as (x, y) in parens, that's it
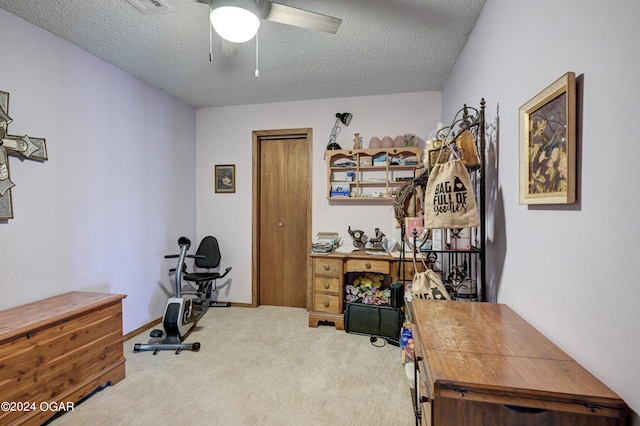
(156, 333)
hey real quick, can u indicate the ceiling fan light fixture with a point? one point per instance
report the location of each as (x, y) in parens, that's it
(237, 22)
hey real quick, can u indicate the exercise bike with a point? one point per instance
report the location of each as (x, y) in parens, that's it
(183, 311)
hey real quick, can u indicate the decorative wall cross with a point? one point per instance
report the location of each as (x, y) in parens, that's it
(18, 146)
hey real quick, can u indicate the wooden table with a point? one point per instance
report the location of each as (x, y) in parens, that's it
(56, 351)
(482, 364)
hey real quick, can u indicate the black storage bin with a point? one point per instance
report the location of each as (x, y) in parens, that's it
(374, 320)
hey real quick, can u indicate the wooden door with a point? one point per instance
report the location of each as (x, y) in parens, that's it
(284, 219)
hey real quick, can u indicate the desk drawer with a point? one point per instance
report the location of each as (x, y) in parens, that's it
(326, 284)
(330, 267)
(327, 303)
(368, 265)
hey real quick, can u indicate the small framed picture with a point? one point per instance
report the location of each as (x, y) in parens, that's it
(225, 178)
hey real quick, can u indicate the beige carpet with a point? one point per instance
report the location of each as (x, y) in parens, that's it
(257, 366)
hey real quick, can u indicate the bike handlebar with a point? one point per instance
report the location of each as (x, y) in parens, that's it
(193, 256)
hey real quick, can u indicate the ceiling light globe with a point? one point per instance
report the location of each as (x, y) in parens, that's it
(234, 24)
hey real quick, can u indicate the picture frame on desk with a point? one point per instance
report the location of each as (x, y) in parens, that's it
(548, 145)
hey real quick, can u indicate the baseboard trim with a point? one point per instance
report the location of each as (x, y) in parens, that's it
(158, 320)
(242, 305)
(142, 328)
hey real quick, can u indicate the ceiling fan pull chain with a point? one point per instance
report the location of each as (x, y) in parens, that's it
(257, 68)
(257, 73)
(210, 33)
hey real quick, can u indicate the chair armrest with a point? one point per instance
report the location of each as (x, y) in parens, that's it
(226, 271)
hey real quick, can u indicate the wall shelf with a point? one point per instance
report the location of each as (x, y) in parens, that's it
(353, 175)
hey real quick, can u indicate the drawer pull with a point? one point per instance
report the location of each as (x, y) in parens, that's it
(519, 409)
(462, 392)
(367, 265)
(593, 407)
(326, 286)
(326, 303)
(326, 267)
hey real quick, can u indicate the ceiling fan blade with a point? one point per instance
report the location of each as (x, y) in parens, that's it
(282, 14)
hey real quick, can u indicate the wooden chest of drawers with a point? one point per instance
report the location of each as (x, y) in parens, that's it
(57, 351)
(328, 291)
(482, 364)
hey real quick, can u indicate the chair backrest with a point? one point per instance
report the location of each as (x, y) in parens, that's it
(211, 251)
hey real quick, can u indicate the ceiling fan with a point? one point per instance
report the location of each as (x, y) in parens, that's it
(238, 21)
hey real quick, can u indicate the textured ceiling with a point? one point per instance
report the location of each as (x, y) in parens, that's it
(382, 47)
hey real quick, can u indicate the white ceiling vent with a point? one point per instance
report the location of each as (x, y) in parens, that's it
(151, 6)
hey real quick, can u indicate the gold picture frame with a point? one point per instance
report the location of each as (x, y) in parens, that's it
(225, 178)
(548, 145)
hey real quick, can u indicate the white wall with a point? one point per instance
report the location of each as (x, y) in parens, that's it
(119, 186)
(570, 271)
(224, 137)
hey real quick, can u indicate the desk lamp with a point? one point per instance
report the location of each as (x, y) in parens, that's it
(344, 118)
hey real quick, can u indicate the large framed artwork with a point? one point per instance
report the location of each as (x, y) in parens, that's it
(225, 178)
(548, 145)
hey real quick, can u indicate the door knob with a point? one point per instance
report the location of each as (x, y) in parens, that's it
(280, 224)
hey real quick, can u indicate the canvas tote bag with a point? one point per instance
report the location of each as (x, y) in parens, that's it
(427, 284)
(449, 198)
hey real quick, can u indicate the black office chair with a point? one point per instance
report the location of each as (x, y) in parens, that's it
(207, 257)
